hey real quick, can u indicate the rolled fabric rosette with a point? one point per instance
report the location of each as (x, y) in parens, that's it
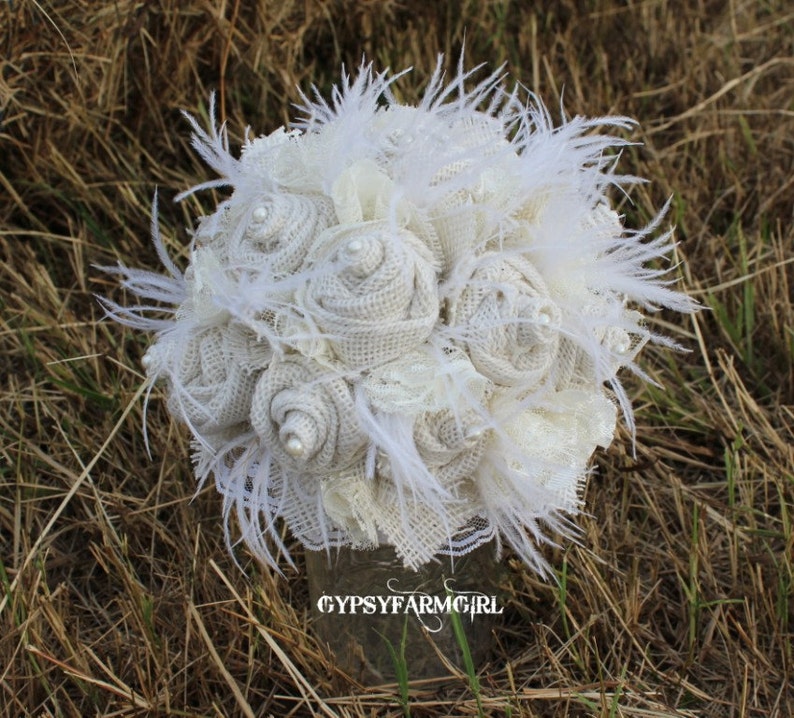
(210, 376)
(305, 416)
(376, 296)
(446, 398)
(451, 443)
(598, 357)
(507, 321)
(280, 230)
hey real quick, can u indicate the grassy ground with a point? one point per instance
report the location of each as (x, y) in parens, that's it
(117, 596)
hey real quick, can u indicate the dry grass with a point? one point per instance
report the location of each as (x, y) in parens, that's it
(117, 595)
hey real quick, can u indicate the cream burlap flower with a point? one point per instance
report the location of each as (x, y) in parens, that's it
(212, 375)
(305, 417)
(280, 230)
(375, 294)
(507, 321)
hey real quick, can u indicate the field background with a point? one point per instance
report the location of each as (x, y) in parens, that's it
(117, 596)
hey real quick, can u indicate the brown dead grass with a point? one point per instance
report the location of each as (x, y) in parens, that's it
(117, 596)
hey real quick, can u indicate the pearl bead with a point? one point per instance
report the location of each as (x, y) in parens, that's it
(354, 246)
(475, 434)
(294, 446)
(544, 318)
(260, 214)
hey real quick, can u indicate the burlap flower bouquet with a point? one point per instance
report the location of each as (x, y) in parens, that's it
(404, 325)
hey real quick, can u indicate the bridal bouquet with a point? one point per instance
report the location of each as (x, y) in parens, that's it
(405, 323)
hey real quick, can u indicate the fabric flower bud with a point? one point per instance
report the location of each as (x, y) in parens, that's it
(348, 499)
(608, 349)
(508, 322)
(451, 445)
(376, 296)
(370, 510)
(305, 416)
(281, 229)
(564, 436)
(207, 279)
(420, 382)
(211, 376)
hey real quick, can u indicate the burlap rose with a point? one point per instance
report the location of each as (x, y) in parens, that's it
(305, 416)
(210, 376)
(280, 230)
(507, 321)
(599, 349)
(371, 511)
(451, 444)
(376, 296)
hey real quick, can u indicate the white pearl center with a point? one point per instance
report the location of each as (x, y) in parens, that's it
(354, 246)
(294, 446)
